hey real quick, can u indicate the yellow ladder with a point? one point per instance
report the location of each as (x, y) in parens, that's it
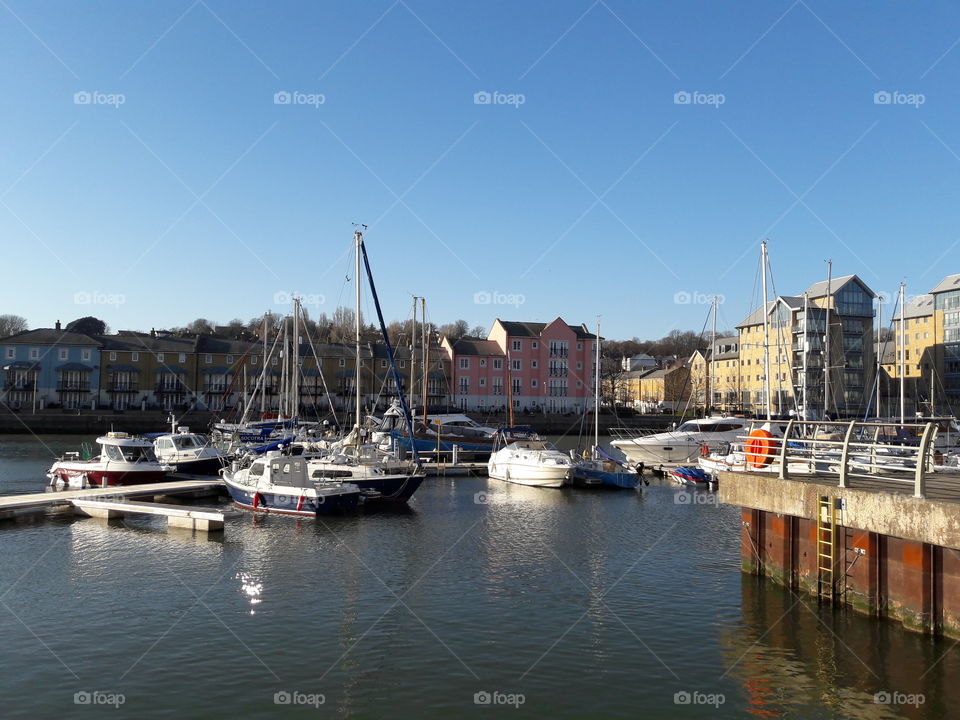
(826, 547)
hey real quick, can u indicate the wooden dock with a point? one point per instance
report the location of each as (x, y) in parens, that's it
(119, 501)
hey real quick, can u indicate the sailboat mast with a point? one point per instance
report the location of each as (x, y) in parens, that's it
(766, 328)
(596, 392)
(711, 376)
(357, 240)
(806, 349)
(424, 356)
(879, 349)
(295, 366)
(826, 340)
(903, 359)
(263, 368)
(413, 354)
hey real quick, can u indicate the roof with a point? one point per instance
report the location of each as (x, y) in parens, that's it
(950, 282)
(819, 289)
(889, 356)
(791, 301)
(20, 365)
(50, 336)
(756, 317)
(140, 342)
(73, 367)
(920, 306)
(517, 328)
(476, 346)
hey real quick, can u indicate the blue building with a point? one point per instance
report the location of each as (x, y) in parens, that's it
(49, 367)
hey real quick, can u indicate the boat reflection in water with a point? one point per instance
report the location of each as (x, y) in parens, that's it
(791, 655)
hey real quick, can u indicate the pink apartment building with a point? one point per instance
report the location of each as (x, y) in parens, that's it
(550, 366)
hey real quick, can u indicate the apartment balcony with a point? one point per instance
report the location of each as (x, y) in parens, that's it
(72, 386)
(215, 388)
(559, 372)
(122, 387)
(19, 385)
(559, 353)
(162, 388)
(558, 392)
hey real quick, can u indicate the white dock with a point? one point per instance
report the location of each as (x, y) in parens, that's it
(117, 501)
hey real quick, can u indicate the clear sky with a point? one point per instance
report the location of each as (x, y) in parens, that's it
(151, 173)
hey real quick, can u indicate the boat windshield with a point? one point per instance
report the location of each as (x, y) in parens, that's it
(129, 453)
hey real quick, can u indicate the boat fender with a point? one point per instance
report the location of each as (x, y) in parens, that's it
(759, 448)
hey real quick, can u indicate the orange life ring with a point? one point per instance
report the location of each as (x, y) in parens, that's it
(759, 448)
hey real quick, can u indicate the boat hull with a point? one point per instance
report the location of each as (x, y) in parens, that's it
(389, 489)
(592, 477)
(533, 476)
(78, 477)
(292, 503)
(656, 453)
(204, 466)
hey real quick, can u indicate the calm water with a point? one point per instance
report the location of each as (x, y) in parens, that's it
(585, 603)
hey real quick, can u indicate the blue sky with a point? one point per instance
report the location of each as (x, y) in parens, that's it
(183, 189)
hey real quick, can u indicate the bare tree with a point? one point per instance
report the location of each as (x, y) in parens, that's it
(11, 325)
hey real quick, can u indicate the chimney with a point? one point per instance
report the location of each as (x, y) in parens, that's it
(57, 326)
(153, 332)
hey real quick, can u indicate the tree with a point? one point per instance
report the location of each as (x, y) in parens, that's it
(88, 325)
(11, 325)
(201, 326)
(455, 330)
(479, 331)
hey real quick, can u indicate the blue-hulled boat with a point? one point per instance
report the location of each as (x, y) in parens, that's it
(277, 483)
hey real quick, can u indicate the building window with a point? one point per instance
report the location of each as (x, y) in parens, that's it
(273, 361)
(533, 382)
(482, 382)
(579, 346)
(464, 363)
(514, 364)
(497, 364)
(34, 353)
(363, 363)
(135, 357)
(343, 362)
(517, 345)
(11, 353)
(183, 357)
(533, 345)
(579, 366)
(533, 364)
(208, 359)
(253, 359)
(483, 362)
(159, 357)
(85, 355)
(383, 364)
(464, 385)
(402, 363)
(62, 354)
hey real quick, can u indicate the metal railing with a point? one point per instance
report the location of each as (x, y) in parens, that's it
(901, 453)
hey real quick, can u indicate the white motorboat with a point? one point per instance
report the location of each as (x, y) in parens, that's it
(123, 460)
(531, 462)
(189, 452)
(684, 444)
